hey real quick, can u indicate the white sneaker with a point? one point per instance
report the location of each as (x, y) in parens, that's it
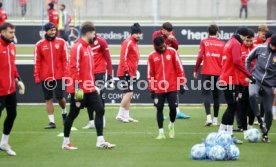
(215, 123)
(208, 122)
(274, 115)
(132, 120)
(105, 145)
(68, 147)
(122, 119)
(89, 126)
(7, 148)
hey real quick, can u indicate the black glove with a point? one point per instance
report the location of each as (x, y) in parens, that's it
(109, 80)
(182, 89)
(109, 77)
(126, 75)
(152, 94)
(252, 80)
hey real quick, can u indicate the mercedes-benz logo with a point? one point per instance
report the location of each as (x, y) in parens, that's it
(73, 34)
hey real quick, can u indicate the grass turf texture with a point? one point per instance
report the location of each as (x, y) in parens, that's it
(136, 143)
(145, 50)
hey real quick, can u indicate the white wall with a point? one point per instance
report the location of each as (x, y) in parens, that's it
(143, 8)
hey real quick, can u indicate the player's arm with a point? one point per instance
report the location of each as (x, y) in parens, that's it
(15, 71)
(199, 59)
(236, 55)
(250, 57)
(65, 58)
(150, 74)
(75, 57)
(154, 35)
(179, 69)
(124, 56)
(37, 64)
(174, 42)
(107, 57)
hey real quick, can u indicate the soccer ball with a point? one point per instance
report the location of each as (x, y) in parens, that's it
(232, 152)
(223, 139)
(253, 135)
(198, 151)
(217, 153)
(211, 139)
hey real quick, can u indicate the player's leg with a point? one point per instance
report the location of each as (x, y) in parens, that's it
(274, 108)
(99, 82)
(206, 93)
(230, 94)
(267, 103)
(243, 108)
(241, 9)
(127, 88)
(94, 99)
(59, 93)
(172, 100)
(216, 95)
(73, 113)
(10, 104)
(254, 92)
(48, 96)
(246, 11)
(159, 101)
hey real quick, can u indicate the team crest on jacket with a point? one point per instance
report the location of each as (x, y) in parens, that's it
(168, 57)
(57, 46)
(96, 42)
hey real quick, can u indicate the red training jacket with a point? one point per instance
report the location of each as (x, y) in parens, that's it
(210, 52)
(51, 59)
(3, 16)
(165, 71)
(257, 40)
(232, 63)
(244, 2)
(81, 67)
(129, 57)
(8, 70)
(173, 44)
(101, 56)
(53, 17)
(245, 50)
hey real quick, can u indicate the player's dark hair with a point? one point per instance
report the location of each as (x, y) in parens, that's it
(167, 26)
(158, 40)
(213, 29)
(268, 34)
(251, 33)
(6, 25)
(87, 27)
(1, 4)
(63, 5)
(51, 5)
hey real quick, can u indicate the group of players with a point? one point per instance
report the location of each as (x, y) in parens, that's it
(245, 66)
(90, 59)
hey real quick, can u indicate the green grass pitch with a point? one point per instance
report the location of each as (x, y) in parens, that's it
(136, 143)
(115, 50)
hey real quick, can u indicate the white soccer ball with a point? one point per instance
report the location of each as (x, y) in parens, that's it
(211, 139)
(217, 153)
(198, 151)
(232, 152)
(253, 135)
(224, 139)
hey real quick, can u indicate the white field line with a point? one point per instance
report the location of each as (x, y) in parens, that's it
(112, 133)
